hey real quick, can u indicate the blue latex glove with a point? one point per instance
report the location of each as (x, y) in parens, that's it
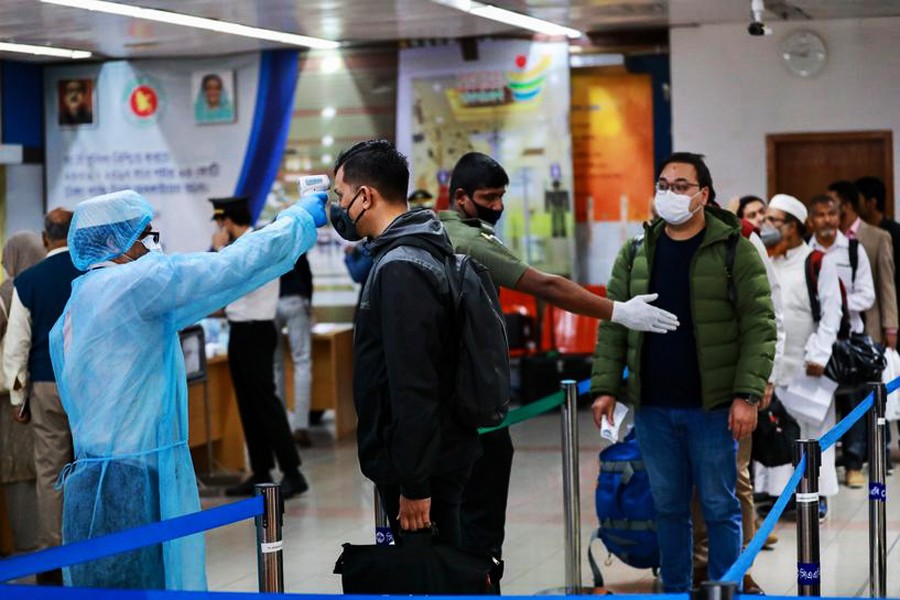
(314, 203)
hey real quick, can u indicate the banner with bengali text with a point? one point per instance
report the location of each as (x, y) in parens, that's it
(175, 131)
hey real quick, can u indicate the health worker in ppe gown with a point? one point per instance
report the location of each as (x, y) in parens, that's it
(121, 375)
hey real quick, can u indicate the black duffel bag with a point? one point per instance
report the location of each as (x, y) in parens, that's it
(855, 361)
(419, 564)
(774, 436)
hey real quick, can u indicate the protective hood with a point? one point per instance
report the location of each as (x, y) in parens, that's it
(106, 226)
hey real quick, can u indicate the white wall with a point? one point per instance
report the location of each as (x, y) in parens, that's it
(730, 89)
(24, 198)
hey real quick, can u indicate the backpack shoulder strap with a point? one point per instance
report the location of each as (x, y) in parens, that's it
(812, 266)
(636, 242)
(730, 254)
(854, 259)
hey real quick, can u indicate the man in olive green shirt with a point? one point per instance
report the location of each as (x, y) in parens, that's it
(477, 186)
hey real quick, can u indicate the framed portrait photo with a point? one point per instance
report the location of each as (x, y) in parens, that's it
(214, 97)
(75, 102)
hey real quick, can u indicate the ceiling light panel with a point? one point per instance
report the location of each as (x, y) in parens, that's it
(174, 18)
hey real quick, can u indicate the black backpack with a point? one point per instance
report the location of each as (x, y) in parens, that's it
(482, 369)
(481, 395)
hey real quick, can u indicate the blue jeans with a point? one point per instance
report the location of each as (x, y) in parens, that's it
(684, 449)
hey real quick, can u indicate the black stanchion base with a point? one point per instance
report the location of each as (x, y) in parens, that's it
(715, 590)
(212, 485)
(576, 591)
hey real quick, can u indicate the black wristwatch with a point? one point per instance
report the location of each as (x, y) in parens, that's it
(750, 399)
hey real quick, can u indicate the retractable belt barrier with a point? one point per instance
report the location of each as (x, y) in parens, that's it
(129, 539)
(739, 568)
(538, 407)
(267, 508)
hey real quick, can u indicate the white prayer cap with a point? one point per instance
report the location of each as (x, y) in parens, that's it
(790, 205)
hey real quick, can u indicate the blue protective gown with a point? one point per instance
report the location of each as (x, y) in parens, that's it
(121, 377)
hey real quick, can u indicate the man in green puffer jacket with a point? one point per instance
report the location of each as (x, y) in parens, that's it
(695, 390)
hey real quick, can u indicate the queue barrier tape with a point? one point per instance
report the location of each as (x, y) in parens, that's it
(745, 560)
(538, 407)
(127, 540)
(30, 592)
(736, 572)
(155, 533)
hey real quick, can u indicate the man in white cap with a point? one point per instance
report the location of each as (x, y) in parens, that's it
(808, 341)
(121, 375)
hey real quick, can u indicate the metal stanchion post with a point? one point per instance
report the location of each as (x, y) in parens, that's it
(808, 564)
(383, 534)
(269, 545)
(571, 486)
(877, 495)
(715, 590)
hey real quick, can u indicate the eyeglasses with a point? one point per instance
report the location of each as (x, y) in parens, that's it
(679, 187)
(153, 234)
(773, 220)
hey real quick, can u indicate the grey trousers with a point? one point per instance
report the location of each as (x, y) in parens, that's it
(52, 451)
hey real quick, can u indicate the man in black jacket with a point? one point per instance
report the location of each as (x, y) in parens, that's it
(410, 443)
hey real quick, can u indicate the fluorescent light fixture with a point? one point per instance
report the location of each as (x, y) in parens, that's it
(328, 112)
(43, 50)
(327, 140)
(524, 21)
(174, 18)
(577, 61)
(487, 11)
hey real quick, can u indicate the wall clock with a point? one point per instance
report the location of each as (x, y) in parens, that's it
(804, 53)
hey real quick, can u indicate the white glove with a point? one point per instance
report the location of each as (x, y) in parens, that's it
(639, 315)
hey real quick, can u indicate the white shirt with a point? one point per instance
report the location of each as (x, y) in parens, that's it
(17, 344)
(861, 291)
(775, 286)
(805, 342)
(259, 305)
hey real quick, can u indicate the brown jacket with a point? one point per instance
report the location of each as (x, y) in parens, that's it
(878, 247)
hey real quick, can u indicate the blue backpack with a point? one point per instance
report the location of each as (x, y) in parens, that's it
(625, 506)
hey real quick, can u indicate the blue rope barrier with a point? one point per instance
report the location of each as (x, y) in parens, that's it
(834, 434)
(59, 593)
(128, 539)
(745, 560)
(15, 592)
(736, 573)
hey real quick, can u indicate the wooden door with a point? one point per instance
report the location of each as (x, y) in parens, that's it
(803, 164)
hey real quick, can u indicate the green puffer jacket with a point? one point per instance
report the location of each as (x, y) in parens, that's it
(735, 342)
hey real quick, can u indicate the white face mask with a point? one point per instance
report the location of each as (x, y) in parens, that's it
(151, 245)
(674, 209)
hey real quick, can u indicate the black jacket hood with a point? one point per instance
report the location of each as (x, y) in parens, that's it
(419, 222)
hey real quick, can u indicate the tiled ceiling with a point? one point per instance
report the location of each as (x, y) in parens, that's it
(365, 21)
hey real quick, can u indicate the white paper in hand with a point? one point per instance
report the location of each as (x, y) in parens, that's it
(808, 398)
(611, 432)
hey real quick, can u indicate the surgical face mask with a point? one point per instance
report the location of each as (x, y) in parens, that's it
(770, 235)
(343, 223)
(674, 209)
(150, 243)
